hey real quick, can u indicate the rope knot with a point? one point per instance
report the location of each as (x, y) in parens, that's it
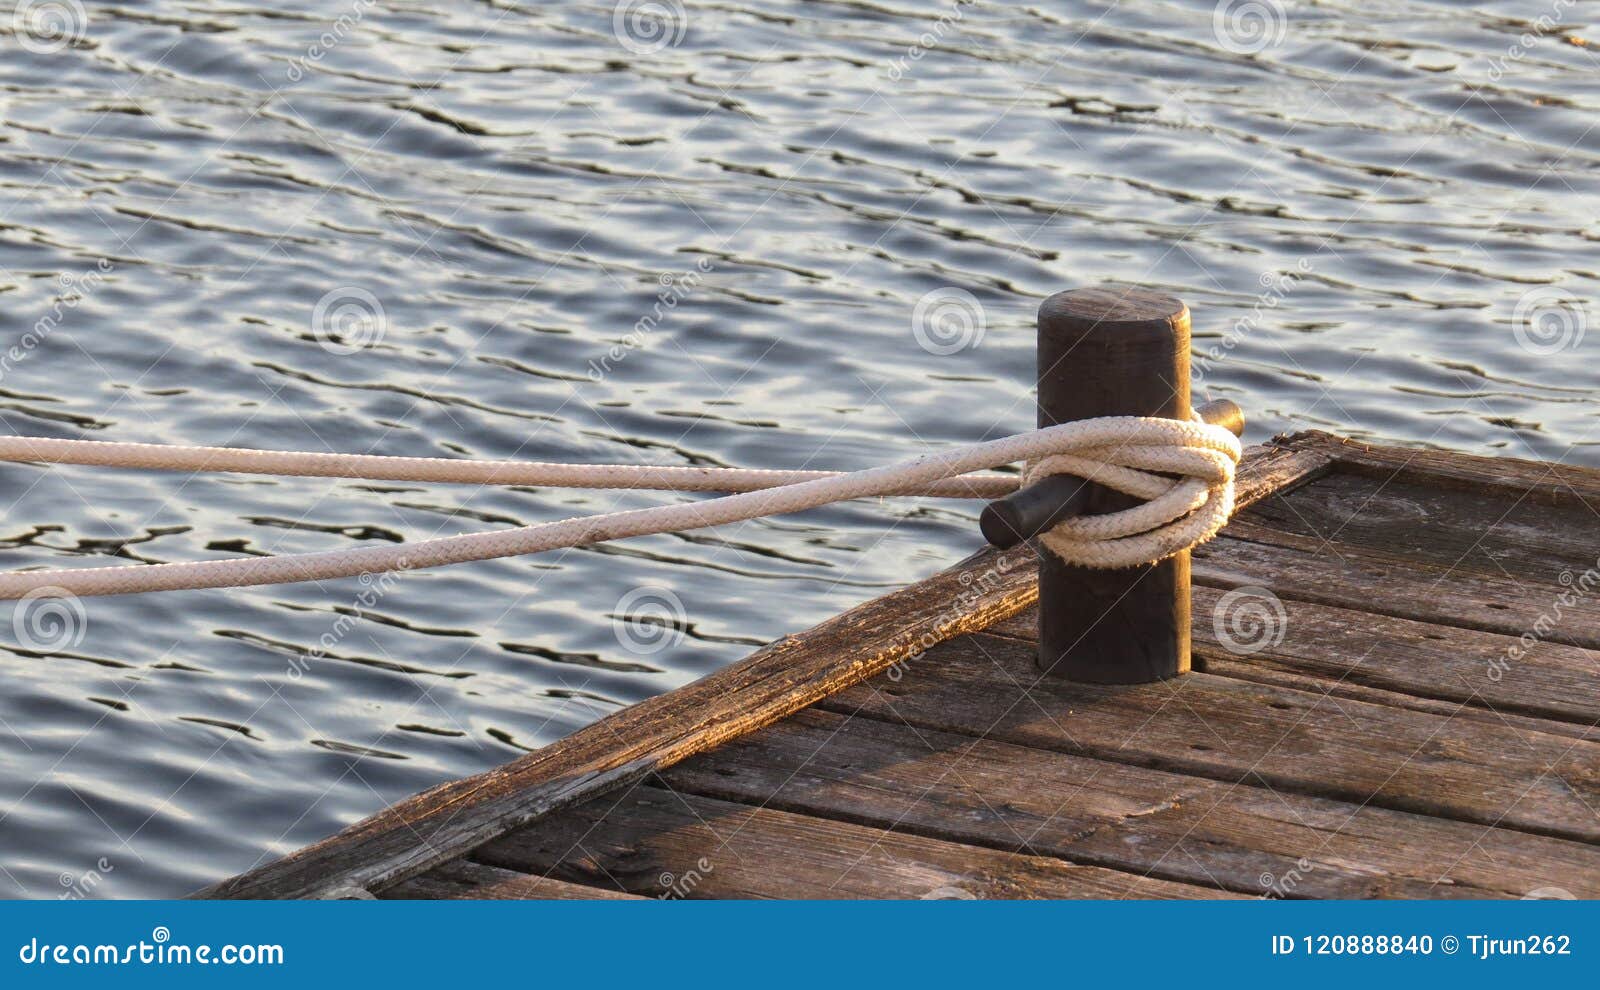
(1183, 471)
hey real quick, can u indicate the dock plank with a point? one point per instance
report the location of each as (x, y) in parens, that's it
(1378, 583)
(1231, 730)
(466, 880)
(1128, 818)
(1480, 531)
(1541, 481)
(1551, 681)
(1265, 671)
(658, 842)
(1409, 663)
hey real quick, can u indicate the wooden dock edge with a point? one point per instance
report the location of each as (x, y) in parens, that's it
(776, 681)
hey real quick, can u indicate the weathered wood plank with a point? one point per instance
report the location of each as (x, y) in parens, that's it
(1129, 818)
(1266, 671)
(1541, 481)
(1232, 730)
(1550, 681)
(659, 843)
(1484, 531)
(465, 880)
(1383, 584)
(1397, 662)
(1409, 663)
(1276, 467)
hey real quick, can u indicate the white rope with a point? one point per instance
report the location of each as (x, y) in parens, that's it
(1177, 513)
(377, 467)
(1119, 452)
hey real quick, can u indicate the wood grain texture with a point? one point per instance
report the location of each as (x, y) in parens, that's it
(1541, 481)
(1238, 731)
(1135, 819)
(1481, 532)
(1265, 671)
(1486, 543)
(656, 841)
(1400, 662)
(466, 880)
(1113, 351)
(1379, 583)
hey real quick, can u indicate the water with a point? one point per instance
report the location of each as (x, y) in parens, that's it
(437, 229)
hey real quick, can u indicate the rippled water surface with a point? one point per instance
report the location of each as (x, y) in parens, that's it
(435, 228)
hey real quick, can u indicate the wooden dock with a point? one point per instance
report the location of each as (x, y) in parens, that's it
(1396, 693)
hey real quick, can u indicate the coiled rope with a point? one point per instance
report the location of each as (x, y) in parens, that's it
(1138, 456)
